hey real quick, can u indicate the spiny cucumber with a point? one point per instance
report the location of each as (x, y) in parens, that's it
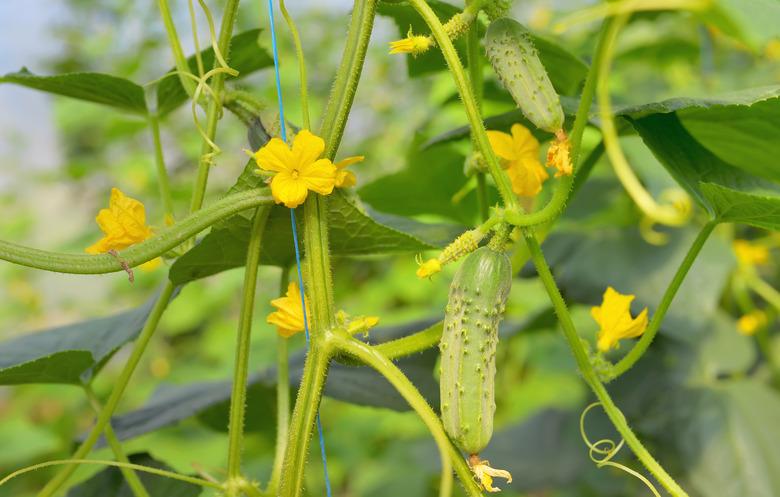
(516, 62)
(477, 298)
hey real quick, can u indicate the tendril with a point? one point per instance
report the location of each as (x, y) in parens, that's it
(136, 467)
(602, 451)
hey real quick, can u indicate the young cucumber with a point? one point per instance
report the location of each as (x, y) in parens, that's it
(477, 298)
(516, 62)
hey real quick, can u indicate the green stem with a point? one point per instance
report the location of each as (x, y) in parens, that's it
(348, 75)
(282, 398)
(763, 289)
(120, 385)
(317, 275)
(180, 60)
(373, 358)
(302, 422)
(243, 342)
(563, 188)
(114, 464)
(411, 344)
(116, 447)
(301, 65)
(474, 63)
(589, 374)
(214, 110)
(469, 102)
(156, 246)
(162, 173)
(655, 323)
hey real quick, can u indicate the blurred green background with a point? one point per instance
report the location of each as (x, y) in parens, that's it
(60, 157)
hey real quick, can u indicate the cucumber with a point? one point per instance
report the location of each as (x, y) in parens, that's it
(516, 62)
(477, 299)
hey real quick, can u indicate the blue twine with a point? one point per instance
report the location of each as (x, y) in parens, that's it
(295, 233)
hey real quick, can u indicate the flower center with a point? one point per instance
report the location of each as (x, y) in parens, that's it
(294, 174)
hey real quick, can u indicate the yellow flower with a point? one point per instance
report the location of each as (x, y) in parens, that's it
(412, 44)
(362, 324)
(520, 154)
(298, 170)
(344, 178)
(288, 317)
(751, 322)
(559, 155)
(485, 473)
(614, 318)
(749, 254)
(428, 268)
(124, 224)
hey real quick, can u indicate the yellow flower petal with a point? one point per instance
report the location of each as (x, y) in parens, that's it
(346, 179)
(751, 322)
(485, 473)
(559, 157)
(348, 161)
(319, 176)
(428, 268)
(123, 224)
(288, 317)
(287, 190)
(414, 45)
(615, 321)
(527, 177)
(525, 144)
(362, 324)
(502, 145)
(750, 254)
(275, 156)
(307, 148)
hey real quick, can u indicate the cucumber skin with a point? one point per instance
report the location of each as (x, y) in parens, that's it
(477, 299)
(516, 62)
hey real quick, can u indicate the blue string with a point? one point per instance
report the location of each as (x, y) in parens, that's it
(295, 233)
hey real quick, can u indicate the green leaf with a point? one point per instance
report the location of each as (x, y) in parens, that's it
(746, 136)
(110, 482)
(246, 57)
(354, 231)
(69, 354)
(427, 185)
(762, 211)
(91, 87)
(728, 437)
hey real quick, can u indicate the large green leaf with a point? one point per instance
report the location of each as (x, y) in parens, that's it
(728, 437)
(89, 86)
(762, 211)
(69, 354)
(111, 483)
(246, 57)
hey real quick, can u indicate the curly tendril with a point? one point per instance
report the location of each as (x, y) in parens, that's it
(602, 451)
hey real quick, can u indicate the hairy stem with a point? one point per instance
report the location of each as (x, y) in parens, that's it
(655, 323)
(348, 75)
(241, 370)
(156, 246)
(474, 63)
(589, 374)
(282, 398)
(136, 487)
(303, 417)
(120, 385)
